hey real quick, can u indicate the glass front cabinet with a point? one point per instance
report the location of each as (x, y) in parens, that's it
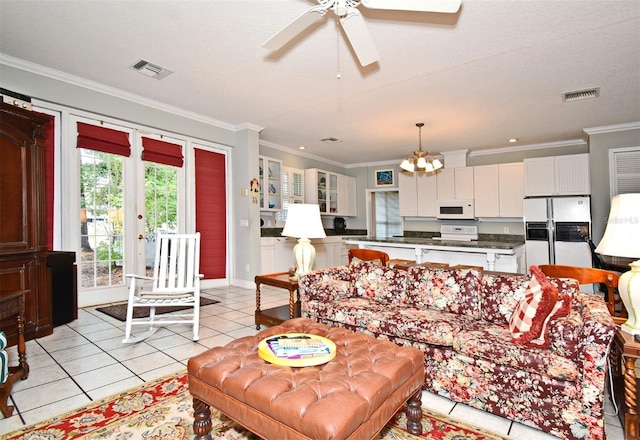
(334, 193)
(270, 171)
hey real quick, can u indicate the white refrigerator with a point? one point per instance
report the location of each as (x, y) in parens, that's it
(557, 230)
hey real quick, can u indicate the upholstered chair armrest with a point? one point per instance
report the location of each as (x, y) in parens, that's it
(593, 347)
(325, 284)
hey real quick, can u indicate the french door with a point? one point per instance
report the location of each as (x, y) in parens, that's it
(125, 199)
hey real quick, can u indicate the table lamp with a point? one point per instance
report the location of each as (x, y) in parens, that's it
(622, 239)
(303, 223)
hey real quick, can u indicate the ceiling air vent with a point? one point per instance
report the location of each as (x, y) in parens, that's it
(331, 140)
(577, 95)
(150, 70)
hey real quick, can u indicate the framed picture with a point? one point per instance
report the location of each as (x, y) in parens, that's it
(384, 178)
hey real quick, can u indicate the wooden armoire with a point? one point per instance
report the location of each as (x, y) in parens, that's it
(23, 241)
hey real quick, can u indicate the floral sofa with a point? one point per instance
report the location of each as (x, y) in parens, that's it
(462, 320)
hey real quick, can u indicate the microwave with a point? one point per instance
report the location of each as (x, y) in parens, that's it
(455, 209)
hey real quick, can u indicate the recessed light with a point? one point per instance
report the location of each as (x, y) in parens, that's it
(301, 147)
(513, 140)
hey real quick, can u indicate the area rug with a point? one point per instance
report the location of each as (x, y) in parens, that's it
(163, 409)
(119, 311)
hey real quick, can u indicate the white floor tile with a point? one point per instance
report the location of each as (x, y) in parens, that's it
(100, 377)
(45, 394)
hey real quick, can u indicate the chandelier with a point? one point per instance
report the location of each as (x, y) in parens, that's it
(420, 159)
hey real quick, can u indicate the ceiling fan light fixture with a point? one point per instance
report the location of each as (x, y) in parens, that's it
(420, 159)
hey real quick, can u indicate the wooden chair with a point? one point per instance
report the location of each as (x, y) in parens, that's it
(369, 255)
(175, 282)
(588, 275)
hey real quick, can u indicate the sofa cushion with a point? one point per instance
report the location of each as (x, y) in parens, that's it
(371, 280)
(495, 343)
(446, 289)
(528, 318)
(499, 296)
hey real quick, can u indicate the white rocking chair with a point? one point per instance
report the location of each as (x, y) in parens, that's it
(175, 282)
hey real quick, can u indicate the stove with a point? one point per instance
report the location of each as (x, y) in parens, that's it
(458, 233)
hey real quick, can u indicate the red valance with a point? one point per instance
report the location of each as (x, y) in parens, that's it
(162, 152)
(93, 137)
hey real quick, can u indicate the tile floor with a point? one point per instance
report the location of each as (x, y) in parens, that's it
(85, 360)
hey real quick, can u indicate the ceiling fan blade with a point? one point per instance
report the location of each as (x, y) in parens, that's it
(447, 6)
(298, 25)
(359, 37)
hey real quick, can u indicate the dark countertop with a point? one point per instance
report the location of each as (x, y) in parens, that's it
(277, 232)
(483, 243)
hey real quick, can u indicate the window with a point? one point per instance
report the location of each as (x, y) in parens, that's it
(386, 212)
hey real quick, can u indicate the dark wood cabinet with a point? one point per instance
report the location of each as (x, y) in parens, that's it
(23, 246)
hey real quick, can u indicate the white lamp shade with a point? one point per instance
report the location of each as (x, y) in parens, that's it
(303, 221)
(422, 163)
(622, 235)
(436, 164)
(407, 166)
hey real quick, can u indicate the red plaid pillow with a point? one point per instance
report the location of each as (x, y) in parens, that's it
(528, 319)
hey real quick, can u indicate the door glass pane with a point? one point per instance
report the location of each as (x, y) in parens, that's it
(101, 219)
(387, 214)
(161, 205)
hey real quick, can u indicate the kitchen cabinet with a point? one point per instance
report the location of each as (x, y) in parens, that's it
(334, 193)
(347, 203)
(455, 183)
(270, 172)
(499, 190)
(23, 244)
(276, 253)
(557, 175)
(511, 189)
(418, 194)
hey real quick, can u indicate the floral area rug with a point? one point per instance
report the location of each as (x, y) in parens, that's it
(163, 410)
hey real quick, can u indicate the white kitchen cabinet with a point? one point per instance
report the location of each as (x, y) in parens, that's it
(334, 193)
(283, 253)
(418, 193)
(557, 175)
(270, 171)
(347, 203)
(455, 183)
(486, 191)
(267, 255)
(511, 189)
(499, 190)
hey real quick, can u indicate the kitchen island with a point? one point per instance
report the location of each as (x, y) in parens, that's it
(495, 255)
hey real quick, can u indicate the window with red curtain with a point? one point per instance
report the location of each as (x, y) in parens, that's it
(162, 152)
(107, 140)
(211, 212)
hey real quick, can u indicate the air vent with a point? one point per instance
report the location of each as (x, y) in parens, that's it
(577, 95)
(150, 70)
(330, 140)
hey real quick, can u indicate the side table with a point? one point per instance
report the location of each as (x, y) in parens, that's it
(277, 315)
(13, 305)
(626, 350)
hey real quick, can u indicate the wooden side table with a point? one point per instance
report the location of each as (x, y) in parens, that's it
(13, 305)
(277, 315)
(626, 350)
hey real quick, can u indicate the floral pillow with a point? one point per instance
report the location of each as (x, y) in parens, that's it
(529, 319)
(446, 289)
(371, 280)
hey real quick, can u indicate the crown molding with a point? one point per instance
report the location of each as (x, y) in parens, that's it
(513, 149)
(612, 128)
(57, 75)
(301, 153)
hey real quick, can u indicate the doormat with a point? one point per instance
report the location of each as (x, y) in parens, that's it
(119, 311)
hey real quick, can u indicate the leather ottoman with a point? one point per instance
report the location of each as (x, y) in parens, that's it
(353, 396)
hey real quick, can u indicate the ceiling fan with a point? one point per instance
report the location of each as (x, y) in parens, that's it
(353, 23)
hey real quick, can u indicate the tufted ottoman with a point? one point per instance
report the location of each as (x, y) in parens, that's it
(352, 396)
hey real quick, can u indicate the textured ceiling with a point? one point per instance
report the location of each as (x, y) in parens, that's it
(493, 71)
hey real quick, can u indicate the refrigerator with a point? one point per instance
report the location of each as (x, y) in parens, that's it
(557, 230)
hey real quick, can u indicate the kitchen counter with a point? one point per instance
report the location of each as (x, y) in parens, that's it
(477, 252)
